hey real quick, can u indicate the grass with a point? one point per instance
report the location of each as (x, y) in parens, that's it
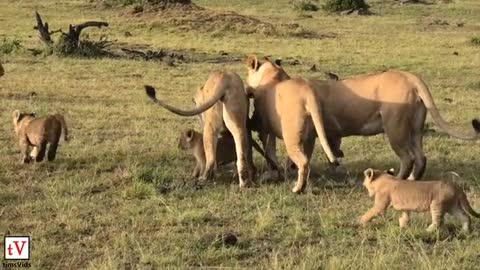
(119, 195)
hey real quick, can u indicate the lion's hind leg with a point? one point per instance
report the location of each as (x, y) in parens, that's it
(210, 147)
(236, 124)
(292, 130)
(437, 216)
(397, 128)
(463, 217)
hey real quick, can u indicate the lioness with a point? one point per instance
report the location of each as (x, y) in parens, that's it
(38, 132)
(438, 197)
(222, 101)
(289, 110)
(390, 102)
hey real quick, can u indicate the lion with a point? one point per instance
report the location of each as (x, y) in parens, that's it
(192, 141)
(288, 109)
(222, 102)
(391, 102)
(38, 132)
(438, 197)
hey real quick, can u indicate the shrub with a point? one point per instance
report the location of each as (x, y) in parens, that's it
(305, 5)
(9, 46)
(475, 40)
(341, 5)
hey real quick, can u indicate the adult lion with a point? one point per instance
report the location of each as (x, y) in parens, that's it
(222, 101)
(391, 102)
(289, 110)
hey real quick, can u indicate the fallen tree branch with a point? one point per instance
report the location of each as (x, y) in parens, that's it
(68, 41)
(42, 30)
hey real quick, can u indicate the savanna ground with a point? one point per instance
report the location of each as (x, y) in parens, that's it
(119, 196)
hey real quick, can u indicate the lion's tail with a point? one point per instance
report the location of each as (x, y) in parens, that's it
(427, 99)
(317, 118)
(150, 91)
(467, 207)
(61, 119)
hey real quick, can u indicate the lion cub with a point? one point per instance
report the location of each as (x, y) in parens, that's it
(37, 132)
(438, 197)
(192, 141)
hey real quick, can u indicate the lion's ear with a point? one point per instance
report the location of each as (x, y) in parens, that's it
(252, 62)
(16, 115)
(190, 134)
(369, 173)
(391, 171)
(278, 62)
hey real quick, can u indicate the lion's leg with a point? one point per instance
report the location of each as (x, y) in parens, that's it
(34, 153)
(335, 142)
(397, 129)
(417, 145)
(269, 143)
(292, 136)
(403, 220)
(210, 147)
(463, 217)
(41, 151)
(437, 216)
(237, 126)
(24, 148)
(381, 204)
(300, 159)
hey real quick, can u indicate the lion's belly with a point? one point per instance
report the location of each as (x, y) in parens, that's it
(364, 126)
(413, 202)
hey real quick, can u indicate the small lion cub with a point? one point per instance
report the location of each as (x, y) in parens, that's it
(192, 141)
(438, 197)
(37, 132)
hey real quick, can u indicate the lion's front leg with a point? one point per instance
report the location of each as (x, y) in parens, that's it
(381, 204)
(269, 144)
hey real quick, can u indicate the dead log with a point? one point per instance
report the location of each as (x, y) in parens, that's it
(67, 42)
(42, 30)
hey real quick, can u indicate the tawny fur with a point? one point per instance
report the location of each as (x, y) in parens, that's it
(223, 104)
(438, 197)
(192, 141)
(391, 102)
(288, 109)
(37, 133)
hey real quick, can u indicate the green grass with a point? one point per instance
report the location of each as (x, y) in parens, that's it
(119, 196)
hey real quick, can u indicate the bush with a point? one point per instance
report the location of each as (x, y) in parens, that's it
(305, 5)
(9, 46)
(341, 5)
(476, 41)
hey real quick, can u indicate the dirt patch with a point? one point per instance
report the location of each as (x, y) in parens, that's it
(190, 17)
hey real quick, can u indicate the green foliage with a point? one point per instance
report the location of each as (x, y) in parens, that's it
(341, 5)
(8, 46)
(476, 40)
(305, 5)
